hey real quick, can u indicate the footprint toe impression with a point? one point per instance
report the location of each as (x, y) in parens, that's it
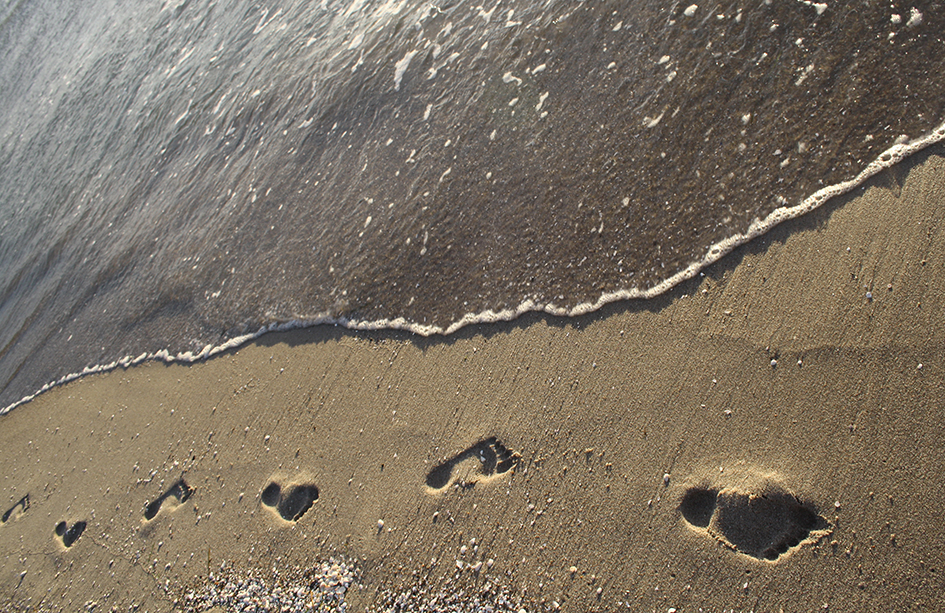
(292, 503)
(764, 524)
(69, 534)
(482, 461)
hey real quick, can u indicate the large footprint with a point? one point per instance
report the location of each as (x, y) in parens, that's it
(292, 502)
(765, 523)
(481, 462)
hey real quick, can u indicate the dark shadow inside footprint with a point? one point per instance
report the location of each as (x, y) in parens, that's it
(766, 525)
(70, 535)
(179, 491)
(294, 503)
(22, 504)
(440, 476)
(697, 506)
(494, 459)
(270, 495)
(299, 500)
(762, 525)
(801, 521)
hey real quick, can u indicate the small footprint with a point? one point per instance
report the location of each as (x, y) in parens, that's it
(69, 535)
(763, 524)
(484, 460)
(179, 493)
(292, 503)
(16, 510)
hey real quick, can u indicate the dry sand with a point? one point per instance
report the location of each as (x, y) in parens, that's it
(660, 448)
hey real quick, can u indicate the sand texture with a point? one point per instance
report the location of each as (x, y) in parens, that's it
(765, 437)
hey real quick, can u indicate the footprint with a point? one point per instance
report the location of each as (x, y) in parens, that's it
(68, 535)
(179, 492)
(292, 503)
(482, 461)
(16, 510)
(763, 524)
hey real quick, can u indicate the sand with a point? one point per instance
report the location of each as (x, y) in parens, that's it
(765, 437)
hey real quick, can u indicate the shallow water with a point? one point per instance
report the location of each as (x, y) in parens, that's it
(177, 175)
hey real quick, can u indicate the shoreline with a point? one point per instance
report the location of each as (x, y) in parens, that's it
(892, 157)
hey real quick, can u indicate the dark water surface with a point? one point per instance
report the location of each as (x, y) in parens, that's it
(176, 175)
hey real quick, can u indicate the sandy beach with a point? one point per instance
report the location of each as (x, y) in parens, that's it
(765, 437)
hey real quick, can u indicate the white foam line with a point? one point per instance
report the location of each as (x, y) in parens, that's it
(888, 158)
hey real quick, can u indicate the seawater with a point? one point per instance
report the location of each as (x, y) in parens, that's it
(177, 177)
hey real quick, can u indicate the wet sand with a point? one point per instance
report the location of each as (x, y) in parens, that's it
(765, 436)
